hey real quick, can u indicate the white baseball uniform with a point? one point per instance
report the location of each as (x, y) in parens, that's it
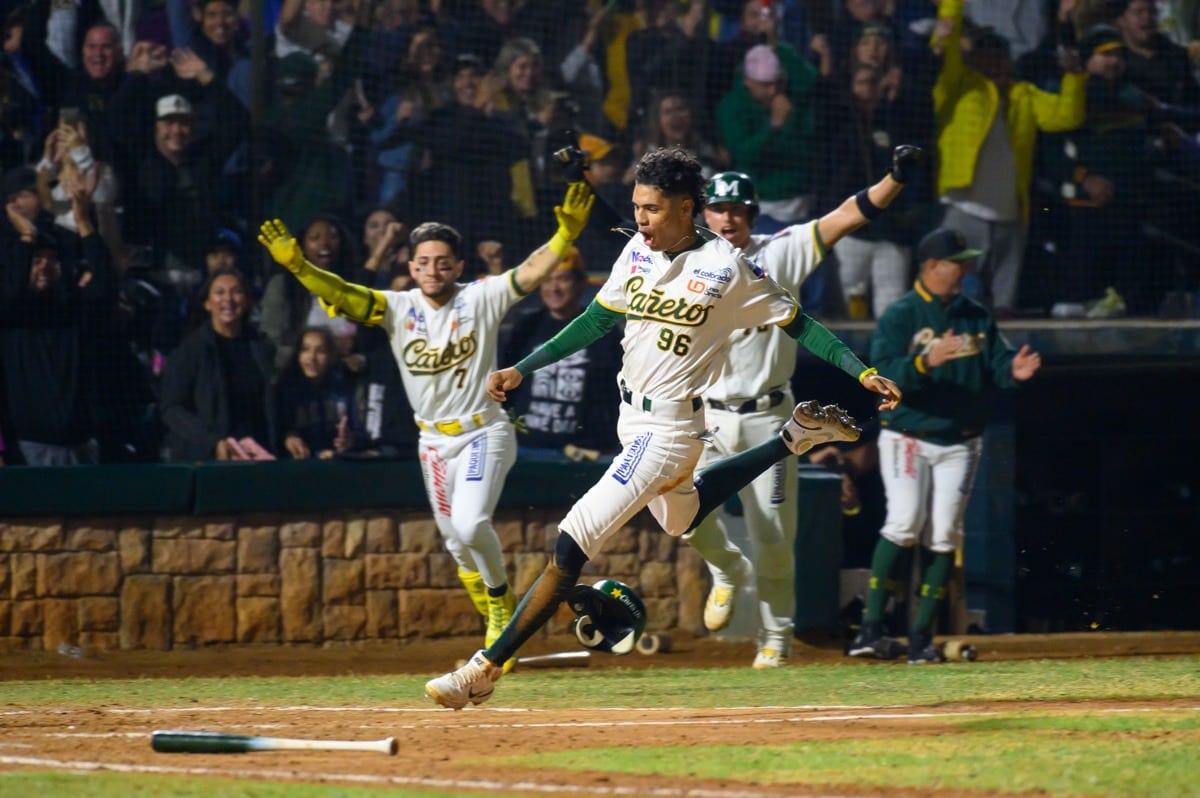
(751, 400)
(926, 483)
(467, 443)
(679, 316)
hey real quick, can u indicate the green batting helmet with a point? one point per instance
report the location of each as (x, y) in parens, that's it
(610, 616)
(732, 187)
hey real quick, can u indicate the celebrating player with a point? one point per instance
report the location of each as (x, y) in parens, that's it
(444, 336)
(948, 353)
(683, 294)
(752, 397)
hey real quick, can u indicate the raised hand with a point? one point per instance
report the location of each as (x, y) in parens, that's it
(904, 162)
(573, 214)
(282, 245)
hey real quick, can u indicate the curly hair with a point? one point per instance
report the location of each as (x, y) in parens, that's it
(675, 172)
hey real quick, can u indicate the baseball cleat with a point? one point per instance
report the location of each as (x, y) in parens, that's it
(769, 657)
(500, 612)
(472, 683)
(718, 609)
(921, 650)
(869, 642)
(812, 424)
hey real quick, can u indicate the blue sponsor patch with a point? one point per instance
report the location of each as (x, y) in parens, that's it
(631, 457)
(476, 459)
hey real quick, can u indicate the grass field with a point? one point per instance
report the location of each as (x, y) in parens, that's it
(1127, 726)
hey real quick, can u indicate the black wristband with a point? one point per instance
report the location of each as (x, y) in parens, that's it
(865, 206)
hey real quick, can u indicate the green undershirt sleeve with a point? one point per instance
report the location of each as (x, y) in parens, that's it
(591, 325)
(816, 338)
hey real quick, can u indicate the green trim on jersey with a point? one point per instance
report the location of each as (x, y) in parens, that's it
(816, 338)
(512, 283)
(822, 250)
(591, 325)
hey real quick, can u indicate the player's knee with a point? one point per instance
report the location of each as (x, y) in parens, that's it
(568, 557)
(472, 530)
(902, 537)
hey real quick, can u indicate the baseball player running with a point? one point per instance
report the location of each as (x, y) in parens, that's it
(683, 293)
(947, 352)
(444, 336)
(753, 396)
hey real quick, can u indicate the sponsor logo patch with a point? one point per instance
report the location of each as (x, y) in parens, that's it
(719, 276)
(476, 456)
(632, 457)
(697, 286)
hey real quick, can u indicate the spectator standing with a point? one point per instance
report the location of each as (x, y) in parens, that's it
(987, 126)
(672, 120)
(473, 151)
(213, 30)
(214, 387)
(766, 124)
(949, 358)
(670, 52)
(574, 401)
(54, 303)
(1102, 174)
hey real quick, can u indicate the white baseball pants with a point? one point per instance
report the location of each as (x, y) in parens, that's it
(926, 482)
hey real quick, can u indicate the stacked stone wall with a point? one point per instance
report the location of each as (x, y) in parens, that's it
(178, 582)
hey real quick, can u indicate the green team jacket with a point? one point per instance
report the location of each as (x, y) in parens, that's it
(950, 403)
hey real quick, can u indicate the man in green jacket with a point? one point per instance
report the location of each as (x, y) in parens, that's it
(943, 349)
(987, 126)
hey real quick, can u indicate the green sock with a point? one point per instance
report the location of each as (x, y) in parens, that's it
(933, 589)
(726, 477)
(880, 585)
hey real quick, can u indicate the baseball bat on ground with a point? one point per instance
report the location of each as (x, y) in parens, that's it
(200, 742)
(563, 659)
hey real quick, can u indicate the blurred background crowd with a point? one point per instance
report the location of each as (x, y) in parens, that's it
(143, 141)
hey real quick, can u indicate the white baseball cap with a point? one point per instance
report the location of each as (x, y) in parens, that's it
(173, 105)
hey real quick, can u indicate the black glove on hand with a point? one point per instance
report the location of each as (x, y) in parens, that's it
(904, 162)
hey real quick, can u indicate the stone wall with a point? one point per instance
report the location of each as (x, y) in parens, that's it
(162, 583)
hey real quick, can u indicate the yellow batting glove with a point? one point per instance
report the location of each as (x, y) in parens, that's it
(282, 245)
(572, 216)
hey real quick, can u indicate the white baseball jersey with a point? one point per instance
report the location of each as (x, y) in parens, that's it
(680, 314)
(446, 353)
(762, 359)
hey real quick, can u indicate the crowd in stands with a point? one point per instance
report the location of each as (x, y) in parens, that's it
(143, 142)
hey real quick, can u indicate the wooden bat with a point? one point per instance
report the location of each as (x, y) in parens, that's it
(201, 742)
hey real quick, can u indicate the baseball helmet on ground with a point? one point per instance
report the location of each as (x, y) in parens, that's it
(732, 187)
(610, 616)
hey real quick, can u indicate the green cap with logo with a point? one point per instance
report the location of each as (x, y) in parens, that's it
(731, 187)
(610, 616)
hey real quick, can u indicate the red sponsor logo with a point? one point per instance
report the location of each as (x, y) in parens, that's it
(437, 480)
(910, 457)
(697, 286)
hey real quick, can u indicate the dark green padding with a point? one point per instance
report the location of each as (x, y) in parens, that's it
(125, 489)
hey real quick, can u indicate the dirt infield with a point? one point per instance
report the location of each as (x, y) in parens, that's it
(440, 750)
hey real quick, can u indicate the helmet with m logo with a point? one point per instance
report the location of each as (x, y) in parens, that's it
(732, 187)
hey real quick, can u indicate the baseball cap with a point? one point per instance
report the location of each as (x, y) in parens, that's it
(762, 64)
(945, 244)
(596, 147)
(1100, 39)
(18, 179)
(988, 38)
(172, 105)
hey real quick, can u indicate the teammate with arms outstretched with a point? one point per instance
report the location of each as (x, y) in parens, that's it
(753, 396)
(444, 335)
(683, 293)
